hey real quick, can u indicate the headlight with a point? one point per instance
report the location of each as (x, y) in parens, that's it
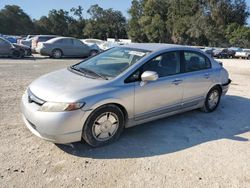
(60, 107)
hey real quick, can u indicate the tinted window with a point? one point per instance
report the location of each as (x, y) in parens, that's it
(59, 41)
(165, 65)
(44, 39)
(67, 41)
(113, 62)
(195, 61)
(2, 42)
(77, 42)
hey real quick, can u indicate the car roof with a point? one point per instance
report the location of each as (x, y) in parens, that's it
(153, 47)
(58, 38)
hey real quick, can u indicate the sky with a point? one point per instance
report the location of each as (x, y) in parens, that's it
(37, 8)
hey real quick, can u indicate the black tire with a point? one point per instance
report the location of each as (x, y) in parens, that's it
(206, 107)
(57, 54)
(88, 130)
(17, 54)
(248, 57)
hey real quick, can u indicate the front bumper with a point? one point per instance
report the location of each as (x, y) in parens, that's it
(57, 127)
(225, 87)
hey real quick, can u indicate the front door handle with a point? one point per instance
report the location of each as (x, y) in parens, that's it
(177, 81)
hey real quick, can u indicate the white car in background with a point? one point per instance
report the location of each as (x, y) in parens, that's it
(93, 46)
(103, 45)
(245, 53)
(27, 40)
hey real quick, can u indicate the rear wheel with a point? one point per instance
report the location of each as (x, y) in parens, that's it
(57, 53)
(103, 126)
(212, 100)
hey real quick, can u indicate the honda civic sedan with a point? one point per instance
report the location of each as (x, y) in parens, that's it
(97, 98)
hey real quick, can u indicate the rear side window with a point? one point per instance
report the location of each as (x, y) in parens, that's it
(59, 41)
(44, 39)
(195, 61)
(67, 41)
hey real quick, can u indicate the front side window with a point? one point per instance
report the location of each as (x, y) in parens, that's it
(77, 42)
(195, 61)
(166, 64)
(112, 62)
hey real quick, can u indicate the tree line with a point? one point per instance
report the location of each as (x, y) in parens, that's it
(192, 22)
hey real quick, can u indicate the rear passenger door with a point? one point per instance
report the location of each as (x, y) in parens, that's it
(197, 77)
(80, 49)
(67, 47)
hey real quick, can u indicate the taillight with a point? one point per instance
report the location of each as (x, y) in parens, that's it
(35, 41)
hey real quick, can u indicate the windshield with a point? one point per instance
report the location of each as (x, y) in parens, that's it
(111, 63)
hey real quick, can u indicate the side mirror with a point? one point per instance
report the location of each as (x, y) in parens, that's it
(148, 76)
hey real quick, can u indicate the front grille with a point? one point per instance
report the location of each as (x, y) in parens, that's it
(35, 99)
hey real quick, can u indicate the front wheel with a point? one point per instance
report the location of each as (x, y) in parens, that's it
(212, 100)
(103, 126)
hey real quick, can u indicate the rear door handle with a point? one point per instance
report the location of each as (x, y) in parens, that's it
(206, 75)
(177, 81)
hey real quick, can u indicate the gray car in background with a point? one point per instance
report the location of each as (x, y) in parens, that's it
(119, 88)
(40, 38)
(8, 49)
(65, 47)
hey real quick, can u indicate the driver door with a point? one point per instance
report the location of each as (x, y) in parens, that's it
(163, 95)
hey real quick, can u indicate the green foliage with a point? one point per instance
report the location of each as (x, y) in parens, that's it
(238, 35)
(14, 21)
(192, 22)
(105, 23)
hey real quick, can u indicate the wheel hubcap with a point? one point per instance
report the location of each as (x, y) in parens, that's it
(105, 126)
(213, 99)
(57, 54)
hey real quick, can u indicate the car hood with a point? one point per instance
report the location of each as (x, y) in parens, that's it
(21, 46)
(65, 86)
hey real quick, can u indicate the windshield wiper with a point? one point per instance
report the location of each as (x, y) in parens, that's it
(88, 71)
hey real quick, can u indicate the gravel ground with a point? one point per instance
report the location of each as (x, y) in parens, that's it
(187, 150)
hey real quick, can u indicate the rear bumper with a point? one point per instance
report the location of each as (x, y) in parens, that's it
(225, 87)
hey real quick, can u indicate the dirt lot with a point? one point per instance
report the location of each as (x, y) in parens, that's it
(188, 150)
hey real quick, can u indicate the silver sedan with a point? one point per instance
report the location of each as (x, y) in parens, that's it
(119, 88)
(65, 47)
